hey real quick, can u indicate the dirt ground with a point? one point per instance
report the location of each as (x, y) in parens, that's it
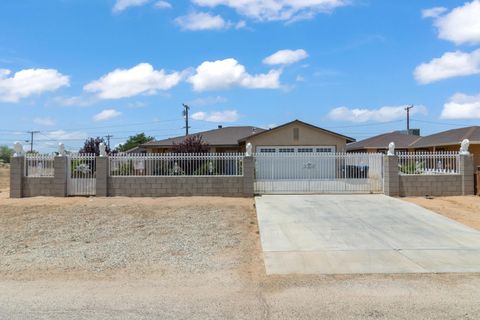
(186, 258)
(465, 210)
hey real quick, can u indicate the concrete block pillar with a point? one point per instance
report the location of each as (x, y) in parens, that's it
(60, 176)
(391, 178)
(102, 176)
(467, 171)
(17, 169)
(248, 176)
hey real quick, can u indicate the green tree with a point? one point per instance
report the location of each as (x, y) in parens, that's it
(134, 141)
(5, 154)
(92, 145)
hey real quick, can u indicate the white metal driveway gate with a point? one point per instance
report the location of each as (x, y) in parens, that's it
(318, 173)
(81, 175)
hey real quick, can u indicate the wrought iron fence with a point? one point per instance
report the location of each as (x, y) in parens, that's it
(428, 163)
(37, 166)
(170, 164)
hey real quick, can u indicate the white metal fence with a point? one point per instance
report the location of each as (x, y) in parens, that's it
(427, 163)
(81, 175)
(39, 166)
(318, 173)
(168, 164)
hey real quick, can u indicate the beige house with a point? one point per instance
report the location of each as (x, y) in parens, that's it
(295, 136)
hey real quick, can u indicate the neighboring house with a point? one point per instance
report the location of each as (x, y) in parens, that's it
(403, 143)
(220, 140)
(450, 140)
(295, 136)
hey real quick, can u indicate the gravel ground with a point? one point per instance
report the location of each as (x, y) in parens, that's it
(186, 258)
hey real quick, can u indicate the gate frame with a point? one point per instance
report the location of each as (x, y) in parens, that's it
(77, 186)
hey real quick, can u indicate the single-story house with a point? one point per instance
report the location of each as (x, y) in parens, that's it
(403, 143)
(450, 140)
(295, 136)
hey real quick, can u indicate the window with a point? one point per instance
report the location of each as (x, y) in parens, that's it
(324, 150)
(286, 150)
(267, 150)
(296, 134)
(305, 150)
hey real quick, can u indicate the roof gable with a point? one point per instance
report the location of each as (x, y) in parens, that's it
(348, 139)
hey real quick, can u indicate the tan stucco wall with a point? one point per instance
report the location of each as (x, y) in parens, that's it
(307, 137)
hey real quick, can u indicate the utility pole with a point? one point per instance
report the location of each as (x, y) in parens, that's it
(408, 117)
(185, 114)
(31, 139)
(108, 136)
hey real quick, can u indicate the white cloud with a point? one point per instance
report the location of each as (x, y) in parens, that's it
(46, 121)
(207, 101)
(121, 5)
(433, 12)
(451, 64)
(286, 57)
(198, 21)
(163, 5)
(383, 114)
(28, 82)
(61, 135)
(106, 115)
(217, 116)
(462, 106)
(268, 10)
(73, 101)
(461, 25)
(224, 74)
(141, 79)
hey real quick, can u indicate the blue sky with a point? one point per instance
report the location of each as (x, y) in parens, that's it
(72, 69)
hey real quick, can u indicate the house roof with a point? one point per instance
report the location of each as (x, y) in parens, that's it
(227, 136)
(450, 137)
(401, 140)
(348, 139)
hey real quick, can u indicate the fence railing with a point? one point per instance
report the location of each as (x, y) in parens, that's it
(192, 164)
(428, 163)
(37, 166)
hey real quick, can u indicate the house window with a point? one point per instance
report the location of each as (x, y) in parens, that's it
(286, 150)
(296, 134)
(305, 150)
(324, 150)
(267, 150)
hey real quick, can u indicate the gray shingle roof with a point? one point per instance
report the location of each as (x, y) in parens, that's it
(401, 140)
(227, 136)
(450, 137)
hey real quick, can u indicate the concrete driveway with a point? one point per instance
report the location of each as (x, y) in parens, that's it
(342, 234)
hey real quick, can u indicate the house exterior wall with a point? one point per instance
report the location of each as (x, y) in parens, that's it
(307, 137)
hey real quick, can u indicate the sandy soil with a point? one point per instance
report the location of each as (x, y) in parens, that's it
(4, 178)
(186, 258)
(465, 209)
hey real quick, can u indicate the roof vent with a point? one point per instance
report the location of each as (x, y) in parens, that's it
(220, 126)
(254, 130)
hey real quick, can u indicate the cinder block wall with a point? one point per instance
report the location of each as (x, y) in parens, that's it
(396, 184)
(431, 185)
(36, 187)
(177, 186)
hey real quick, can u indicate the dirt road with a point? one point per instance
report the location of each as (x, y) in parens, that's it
(186, 258)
